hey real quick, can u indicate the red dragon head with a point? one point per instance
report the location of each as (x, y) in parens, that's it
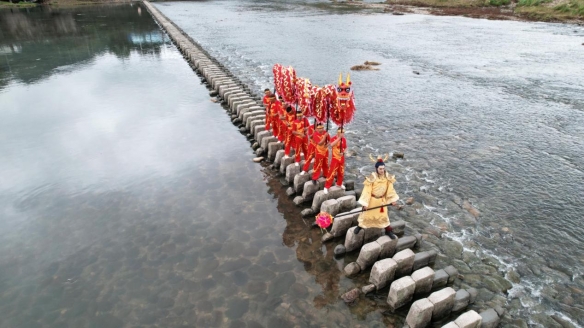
(345, 102)
(344, 91)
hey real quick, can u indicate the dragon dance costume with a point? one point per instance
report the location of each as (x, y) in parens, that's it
(299, 137)
(320, 138)
(289, 117)
(337, 167)
(275, 110)
(268, 100)
(309, 155)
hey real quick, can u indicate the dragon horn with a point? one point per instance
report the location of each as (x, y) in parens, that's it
(348, 78)
(372, 159)
(340, 78)
(386, 157)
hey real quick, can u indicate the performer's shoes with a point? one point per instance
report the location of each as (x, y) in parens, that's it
(296, 164)
(313, 182)
(343, 187)
(286, 156)
(325, 191)
(390, 234)
(303, 173)
(356, 231)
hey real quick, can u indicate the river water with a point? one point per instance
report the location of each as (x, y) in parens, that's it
(494, 116)
(127, 198)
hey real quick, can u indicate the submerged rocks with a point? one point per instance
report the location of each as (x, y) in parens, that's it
(351, 296)
(281, 284)
(367, 66)
(339, 250)
(364, 68)
(307, 211)
(352, 269)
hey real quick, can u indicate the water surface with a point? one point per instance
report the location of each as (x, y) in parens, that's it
(488, 113)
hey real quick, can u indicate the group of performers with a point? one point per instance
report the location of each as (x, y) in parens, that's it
(294, 130)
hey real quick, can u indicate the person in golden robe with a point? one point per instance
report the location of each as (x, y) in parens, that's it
(377, 191)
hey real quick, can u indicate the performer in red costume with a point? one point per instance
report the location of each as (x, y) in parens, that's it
(289, 117)
(337, 169)
(320, 138)
(267, 104)
(283, 129)
(309, 155)
(275, 110)
(299, 138)
(266, 99)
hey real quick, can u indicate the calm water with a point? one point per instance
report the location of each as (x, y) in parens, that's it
(495, 117)
(127, 198)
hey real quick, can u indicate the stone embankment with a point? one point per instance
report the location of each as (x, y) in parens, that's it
(393, 263)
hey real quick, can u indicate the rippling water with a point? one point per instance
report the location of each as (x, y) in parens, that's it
(494, 116)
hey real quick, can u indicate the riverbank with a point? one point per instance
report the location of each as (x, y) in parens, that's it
(565, 11)
(57, 3)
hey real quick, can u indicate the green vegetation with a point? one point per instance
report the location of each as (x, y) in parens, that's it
(573, 7)
(540, 10)
(497, 3)
(22, 4)
(532, 3)
(569, 10)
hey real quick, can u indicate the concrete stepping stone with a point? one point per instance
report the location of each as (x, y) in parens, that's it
(490, 319)
(401, 292)
(382, 273)
(353, 241)
(443, 301)
(461, 300)
(420, 314)
(368, 255)
(405, 262)
(424, 278)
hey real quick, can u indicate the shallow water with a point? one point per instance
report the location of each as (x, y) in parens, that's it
(494, 116)
(129, 200)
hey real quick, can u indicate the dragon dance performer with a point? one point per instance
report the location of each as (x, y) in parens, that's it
(320, 138)
(267, 104)
(377, 191)
(289, 117)
(283, 128)
(309, 155)
(299, 138)
(275, 109)
(337, 168)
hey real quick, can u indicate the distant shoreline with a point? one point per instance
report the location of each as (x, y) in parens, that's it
(559, 11)
(553, 11)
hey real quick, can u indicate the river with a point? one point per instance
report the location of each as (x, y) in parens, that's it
(129, 199)
(489, 112)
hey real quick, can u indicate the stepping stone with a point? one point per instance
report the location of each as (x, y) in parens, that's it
(443, 301)
(420, 314)
(401, 292)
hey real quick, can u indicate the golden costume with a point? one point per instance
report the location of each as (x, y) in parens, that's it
(377, 190)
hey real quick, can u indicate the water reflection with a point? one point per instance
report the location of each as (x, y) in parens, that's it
(114, 213)
(36, 42)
